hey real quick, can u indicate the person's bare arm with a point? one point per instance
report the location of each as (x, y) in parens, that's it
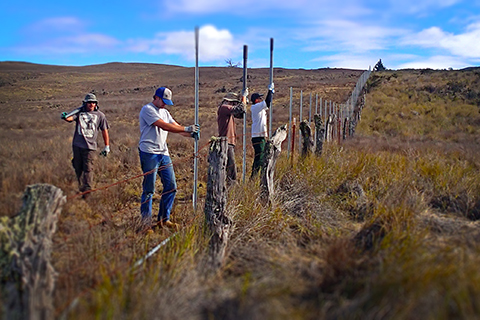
(174, 127)
(106, 137)
(170, 127)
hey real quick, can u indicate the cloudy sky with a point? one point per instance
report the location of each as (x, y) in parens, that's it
(308, 34)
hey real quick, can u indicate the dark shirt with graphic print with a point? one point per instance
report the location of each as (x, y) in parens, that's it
(87, 126)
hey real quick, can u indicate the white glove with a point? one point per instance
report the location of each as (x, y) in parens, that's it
(271, 87)
(105, 151)
(193, 128)
(245, 92)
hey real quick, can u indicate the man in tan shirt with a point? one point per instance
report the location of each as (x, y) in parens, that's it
(232, 106)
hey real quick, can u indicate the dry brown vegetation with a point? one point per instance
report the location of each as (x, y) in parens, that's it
(382, 226)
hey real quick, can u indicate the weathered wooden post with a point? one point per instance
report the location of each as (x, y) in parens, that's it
(339, 130)
(25, 252)
(351, 127)
(307, 145)
(216, 200)
(320, 134)
(345, 128)
(330, 127)
(272, 151)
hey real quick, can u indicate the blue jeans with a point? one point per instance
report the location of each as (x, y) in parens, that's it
(162, 165)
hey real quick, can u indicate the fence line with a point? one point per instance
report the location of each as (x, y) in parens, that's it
(339, 119)
(338, 115)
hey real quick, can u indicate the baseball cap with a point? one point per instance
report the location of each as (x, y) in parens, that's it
(90, 97)
(231, 96)
(165, 94)
(255, 96)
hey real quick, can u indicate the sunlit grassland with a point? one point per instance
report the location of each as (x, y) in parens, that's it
(427, 105)
(384, 225)
(301, 257)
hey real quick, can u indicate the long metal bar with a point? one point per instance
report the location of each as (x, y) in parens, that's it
(310, 111)
(270, 119)
(290, 124)
(152, 252)
(244, 165)
(195, 159)
(300, 119)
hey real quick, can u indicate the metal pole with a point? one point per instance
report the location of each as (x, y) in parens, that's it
(271, 81)
(300, 121)
(293, 142)
(325, 113)
(290, 124)
(245, 56)
(195, 159)
(310, 111)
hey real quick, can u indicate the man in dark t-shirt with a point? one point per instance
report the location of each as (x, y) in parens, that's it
(89, 121)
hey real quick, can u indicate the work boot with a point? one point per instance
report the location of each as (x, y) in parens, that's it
(170, 224)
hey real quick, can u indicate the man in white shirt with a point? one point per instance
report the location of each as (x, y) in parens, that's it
(259, 126)
(155, 123)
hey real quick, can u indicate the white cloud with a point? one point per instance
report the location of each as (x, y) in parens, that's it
(463, 45)
(64, 24)
(349, 61)
(421, 6)
(435, 62)
(197, 6)
(264, 8)
(214, 44)
(82, 43)
(62, 35)
(344, 35)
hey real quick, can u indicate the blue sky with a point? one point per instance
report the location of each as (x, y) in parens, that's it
(308, 34)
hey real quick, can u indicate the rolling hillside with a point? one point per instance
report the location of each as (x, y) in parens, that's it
(383, 225)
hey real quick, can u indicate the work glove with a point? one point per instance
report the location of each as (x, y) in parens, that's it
(195, 135)
(64, 116)
(194, 131)
(193, 128)
(271, 87)
(105, 151)
(245, 92)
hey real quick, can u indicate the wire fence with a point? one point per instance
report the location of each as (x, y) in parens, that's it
(336, 117)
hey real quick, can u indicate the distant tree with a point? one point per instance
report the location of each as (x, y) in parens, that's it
(379, 66)
(231, 64)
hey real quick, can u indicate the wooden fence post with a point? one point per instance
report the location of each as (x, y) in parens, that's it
(25, 252)
(272, 151)
(320, 134)
(307, 144)
(215, 202)
(330, 127)
(346, 132)
(339, 130)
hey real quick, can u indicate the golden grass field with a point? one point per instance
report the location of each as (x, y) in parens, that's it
(382, 226)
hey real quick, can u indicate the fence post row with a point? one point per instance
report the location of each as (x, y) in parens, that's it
(26, 239)
(339, 119)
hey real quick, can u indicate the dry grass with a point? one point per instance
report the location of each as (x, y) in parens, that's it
(382, 226)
